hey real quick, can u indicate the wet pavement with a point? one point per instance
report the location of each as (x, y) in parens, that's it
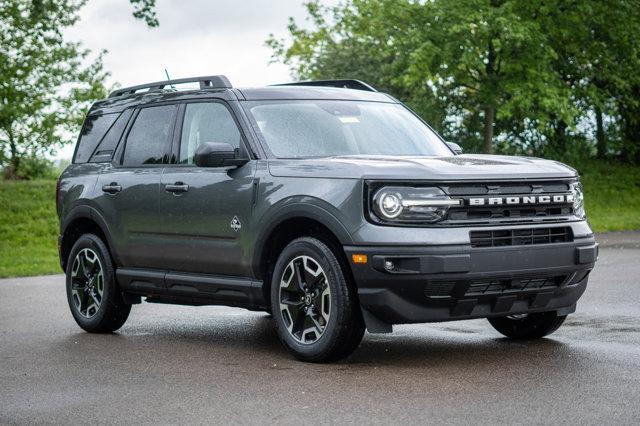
(173, 364)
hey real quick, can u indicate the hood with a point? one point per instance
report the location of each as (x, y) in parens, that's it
(453, 168)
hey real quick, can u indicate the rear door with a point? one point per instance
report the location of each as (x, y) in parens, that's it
(131, 187)
(205, 210)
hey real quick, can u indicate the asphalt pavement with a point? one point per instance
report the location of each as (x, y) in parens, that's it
(172, 364)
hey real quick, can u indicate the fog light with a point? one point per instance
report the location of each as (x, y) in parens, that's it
(388, 265)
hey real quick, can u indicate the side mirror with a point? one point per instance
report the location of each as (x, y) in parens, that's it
(212, 154)
(455, 147)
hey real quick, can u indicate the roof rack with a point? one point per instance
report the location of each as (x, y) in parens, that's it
(343, 84)
(210, 82)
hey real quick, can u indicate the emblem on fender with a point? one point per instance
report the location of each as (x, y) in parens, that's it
(235, 224)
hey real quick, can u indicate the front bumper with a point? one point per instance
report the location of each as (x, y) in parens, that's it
(443, 283)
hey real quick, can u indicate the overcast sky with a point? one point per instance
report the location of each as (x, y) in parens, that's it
(195, 37)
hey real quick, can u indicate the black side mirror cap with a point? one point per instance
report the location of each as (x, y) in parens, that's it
(213, 154)
(455, 147)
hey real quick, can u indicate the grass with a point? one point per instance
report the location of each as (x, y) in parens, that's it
(28, 228)
(29, 225)
(612, 195)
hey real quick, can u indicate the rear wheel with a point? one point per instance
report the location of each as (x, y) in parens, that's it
(93, 294)
(528, 326)
(316, 312)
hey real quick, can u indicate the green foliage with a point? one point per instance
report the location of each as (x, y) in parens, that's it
(28, 228)
(32, 168)
(46, 82)
(146, 11)
(517, 76)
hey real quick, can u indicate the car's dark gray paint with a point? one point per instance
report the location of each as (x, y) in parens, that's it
(454, 168)
(181, 246)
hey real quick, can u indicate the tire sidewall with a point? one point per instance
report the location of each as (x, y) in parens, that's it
(533, 326)
(322, 254)
(94, 243)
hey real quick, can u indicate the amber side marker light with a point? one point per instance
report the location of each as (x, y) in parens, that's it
(359, 258)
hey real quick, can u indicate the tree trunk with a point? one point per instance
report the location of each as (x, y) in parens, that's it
(560, 139)
(14, 160)
(489, 115)
(489, 109)
(601, 140)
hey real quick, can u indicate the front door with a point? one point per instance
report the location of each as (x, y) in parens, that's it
(130, 201)
(206, 210)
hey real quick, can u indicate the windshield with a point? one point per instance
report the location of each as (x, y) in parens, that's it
(316, 128)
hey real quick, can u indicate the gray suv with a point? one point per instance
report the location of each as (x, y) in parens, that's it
(328, 204)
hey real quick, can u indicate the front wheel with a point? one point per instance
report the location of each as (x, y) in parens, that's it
(316, 311)
(528, 326)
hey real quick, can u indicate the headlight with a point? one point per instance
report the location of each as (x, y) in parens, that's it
(578, 199)
(411, 205)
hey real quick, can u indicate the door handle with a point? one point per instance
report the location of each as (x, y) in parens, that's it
(112, 188)
(176, 187)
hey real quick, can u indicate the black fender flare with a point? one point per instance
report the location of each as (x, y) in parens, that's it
(295, 210)
(87, 212)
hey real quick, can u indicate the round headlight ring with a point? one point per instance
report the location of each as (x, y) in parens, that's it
(390, 205)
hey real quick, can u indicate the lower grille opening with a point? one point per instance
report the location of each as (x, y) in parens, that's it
(520, 237)
(480, 287)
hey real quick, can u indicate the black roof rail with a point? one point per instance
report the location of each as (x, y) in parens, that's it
(343, 84)
(210, 82)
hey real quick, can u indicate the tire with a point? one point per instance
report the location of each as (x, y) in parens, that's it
(93, 294)
(323, 323)
(530, 326)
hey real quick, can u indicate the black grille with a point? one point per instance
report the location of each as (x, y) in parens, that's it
(505, 213)
(481, 287)
(508, 213)
(520, 237)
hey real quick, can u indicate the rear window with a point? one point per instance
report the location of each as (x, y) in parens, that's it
(93, 130)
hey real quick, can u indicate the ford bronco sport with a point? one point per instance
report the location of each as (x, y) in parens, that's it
(328, 204)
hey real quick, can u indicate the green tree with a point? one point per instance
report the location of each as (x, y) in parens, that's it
(516, 75)
(46, 83)
(597, 51)
(366, 40)
(146, 11)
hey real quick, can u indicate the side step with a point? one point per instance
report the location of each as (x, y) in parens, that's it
(191, 289)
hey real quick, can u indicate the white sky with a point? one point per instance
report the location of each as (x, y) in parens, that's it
(195, 37)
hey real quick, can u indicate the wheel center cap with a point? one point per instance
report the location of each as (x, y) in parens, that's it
(307, 299)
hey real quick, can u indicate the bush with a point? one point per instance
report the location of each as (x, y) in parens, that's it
(32, 168)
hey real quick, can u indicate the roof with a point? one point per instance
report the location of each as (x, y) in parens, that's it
(311, 92)
(352, 90)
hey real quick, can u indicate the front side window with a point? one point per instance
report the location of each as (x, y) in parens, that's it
(320, 128)
(206, 122)
(149, 137)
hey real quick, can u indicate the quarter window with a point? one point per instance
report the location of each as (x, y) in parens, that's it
(206, 122)
(148, 139)
(93, 130)
(104, 151)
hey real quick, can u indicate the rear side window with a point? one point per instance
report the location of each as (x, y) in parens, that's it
(104, 152)
(206, 122)
(93, 130)
(148, 139)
